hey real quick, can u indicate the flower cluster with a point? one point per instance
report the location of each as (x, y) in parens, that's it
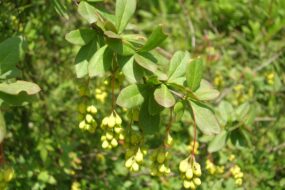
(88, 123)
(213, 169)
(159, 166)
(270, 78)
(238, 174)
(134, 159)
(113, 131)
(190, 172)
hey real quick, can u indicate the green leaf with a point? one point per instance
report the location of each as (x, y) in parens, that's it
(124, 11)
(80, 37)
(83, 57)
(206, 91)
(95, 0)
(225, 113)
(132, 96)
(147, 122)
(205, 118)
(164, 97)
(16, 100)
(179, 109)
(121, 47)
(194, 74)
(153, 107)
(133, 72)
(178, 64)
(17, 87)
(88, 12)
(10, 53)
(146, 63)
(156, 38)
(2, 127)
(242, 111)
(218, 142)
(100, 62)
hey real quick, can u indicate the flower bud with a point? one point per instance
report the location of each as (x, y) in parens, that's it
(114, 143)
(160, 157)
(189, 173)
(183, 166)
(105, 144)
(129, 163)
(135, 167)
(139, 156)
(197, 181)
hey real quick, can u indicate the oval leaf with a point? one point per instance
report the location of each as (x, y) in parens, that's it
(2, 127)
(132, 96)
(80, 37)
(178, 64)
(17, 87)
(156, 38)
(218, 142)
(205, 119)
(163, 96)
(194, 74)
(100, 62)
(87, 11)
(206, 91)
(124, 11)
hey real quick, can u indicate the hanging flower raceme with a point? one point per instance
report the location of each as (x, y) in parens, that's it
(190, 172)
(89, 123)
(237, 174)
(113, 131)
(159, 166)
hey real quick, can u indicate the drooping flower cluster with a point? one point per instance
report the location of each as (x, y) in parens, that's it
(214, 169)
(238, 174)
(88, 123)
(113, 131)
(134, 159)
(159, 166)
(190, 173)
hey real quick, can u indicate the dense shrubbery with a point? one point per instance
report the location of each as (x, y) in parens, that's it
(242, 45)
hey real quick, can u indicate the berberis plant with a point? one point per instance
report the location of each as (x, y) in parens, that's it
(157, 90)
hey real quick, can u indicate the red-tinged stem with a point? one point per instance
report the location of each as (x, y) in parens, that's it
(2, 159)
(195, 132)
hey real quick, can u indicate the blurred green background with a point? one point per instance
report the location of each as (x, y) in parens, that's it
(244, 44)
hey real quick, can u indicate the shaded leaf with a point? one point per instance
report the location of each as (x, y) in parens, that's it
(147, 122)
(100, 62)
(153, 107)
(133, 72)
(10, 54)
(146, 63)
(80, 37)
(83, 57)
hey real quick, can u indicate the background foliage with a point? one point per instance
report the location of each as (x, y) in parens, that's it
(243, 42)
